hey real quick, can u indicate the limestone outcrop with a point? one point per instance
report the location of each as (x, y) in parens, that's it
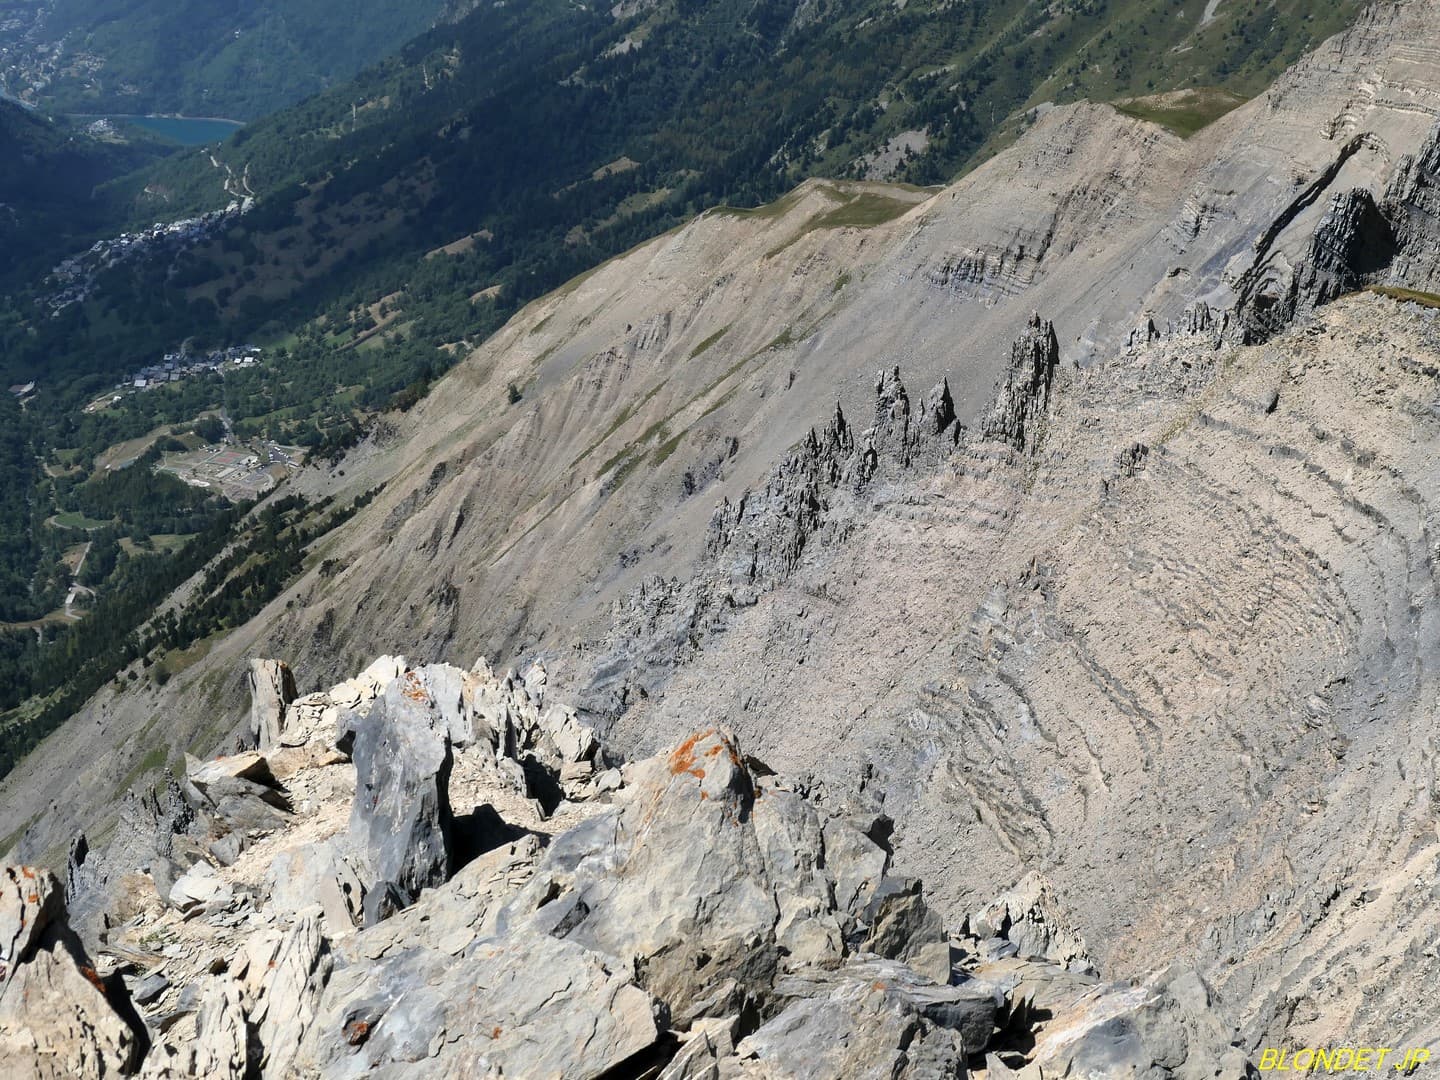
(272, 689)
(695, 916)
(1020, 404)
(400, 820)
(58, 1018)
(1389, 238)
(809, 504)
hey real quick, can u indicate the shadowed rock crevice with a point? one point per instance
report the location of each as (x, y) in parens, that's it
(1392, 239)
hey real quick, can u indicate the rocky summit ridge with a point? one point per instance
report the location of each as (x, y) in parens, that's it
(497, 902)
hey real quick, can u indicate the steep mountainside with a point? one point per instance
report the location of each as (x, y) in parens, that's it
(47, 176)
(368, 238)
(1140, 595)
(199, 57)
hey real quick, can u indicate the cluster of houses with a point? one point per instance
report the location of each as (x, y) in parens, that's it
(178, 365)
(75, 276)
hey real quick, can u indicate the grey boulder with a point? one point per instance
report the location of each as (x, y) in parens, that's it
(1030, 917)
(522, 1006)
(871, 1018)
(272, 689)
(400, 820)
(58, 1019)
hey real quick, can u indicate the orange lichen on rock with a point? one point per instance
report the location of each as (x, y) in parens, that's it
(94, 977)
(682, 760)
(414, 689)
(725, 747)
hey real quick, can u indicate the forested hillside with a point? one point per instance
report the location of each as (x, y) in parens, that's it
(48, 176)
(203, 57)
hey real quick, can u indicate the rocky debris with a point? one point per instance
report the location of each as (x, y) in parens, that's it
(317, 874)
(272, 689)
(322, 718)
(283, 974)
(701, 919)
(758, 541)
(146, 991)
(234, 799)
(1030, 917)
(817, 497)
(465, 910)
(719, 927)
(157, 834)
(222, 1046)
(200, 885)
(1165, 1026)
(509, 1006)
(870, 1018)
(899, 925)
(400, 820)
(358, 692)
(311, 718)
(58, 1018)
(856, 865)
(1024, 396)
(239, 790)
(543, 750)
(709, 882)
(706, 1044)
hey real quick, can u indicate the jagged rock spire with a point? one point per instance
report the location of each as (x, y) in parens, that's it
(937, 410)
(1024, 395)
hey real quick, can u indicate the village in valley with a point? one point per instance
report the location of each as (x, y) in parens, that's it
(75, 277)
(222, 462)
(178, 365)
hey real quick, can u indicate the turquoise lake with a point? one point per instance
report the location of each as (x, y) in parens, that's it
(185, 130)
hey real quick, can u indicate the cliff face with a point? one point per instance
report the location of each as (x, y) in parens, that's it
(1128, 597)
(1390, 240)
